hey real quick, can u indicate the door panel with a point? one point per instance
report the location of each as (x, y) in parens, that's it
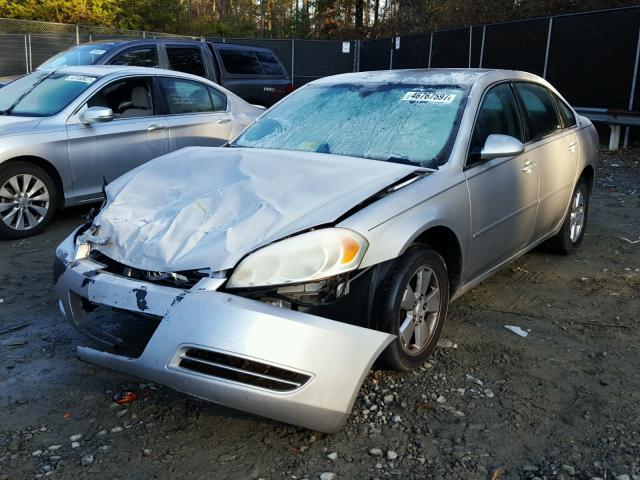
(558, 162)
(107, 150)
(110, 149)
(503, 192)
(554, 148)
(197, 113)
(504, 204)
(202, 130)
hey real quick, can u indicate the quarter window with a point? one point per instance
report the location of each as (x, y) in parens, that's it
(567, 115)
(498, 114)
(186, 96)
(219, 100)
(186, 59)
(269, 63)
(539, 110)
(137, 57)
(240, 61)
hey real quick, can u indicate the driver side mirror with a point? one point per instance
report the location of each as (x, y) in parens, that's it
(500, 146)
(96, 115)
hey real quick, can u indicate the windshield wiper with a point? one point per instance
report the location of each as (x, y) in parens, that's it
(7, 111)
(400, 159)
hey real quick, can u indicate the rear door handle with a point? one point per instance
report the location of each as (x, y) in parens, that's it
(224, 120)
(154, 127)
(573, 147)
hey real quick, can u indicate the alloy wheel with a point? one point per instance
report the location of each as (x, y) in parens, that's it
(419, 311)
(576, 220)
(24, 201)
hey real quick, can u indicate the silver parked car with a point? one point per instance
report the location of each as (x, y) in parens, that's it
(268, 276)
(64, 132)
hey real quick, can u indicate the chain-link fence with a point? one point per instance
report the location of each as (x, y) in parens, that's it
(592, 58)
(25, 44)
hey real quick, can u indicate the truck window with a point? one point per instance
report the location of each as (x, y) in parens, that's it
(240, 61)
(269, 63)
(186, 59)
(137, 57)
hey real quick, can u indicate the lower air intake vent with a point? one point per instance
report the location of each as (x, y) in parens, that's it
(241, 370)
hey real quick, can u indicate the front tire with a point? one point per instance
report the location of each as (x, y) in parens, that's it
(570, 236)
(28, 200)
(413, 305)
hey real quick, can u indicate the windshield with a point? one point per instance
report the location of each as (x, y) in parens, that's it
(42, 94)
(80, 55)
(413, 124)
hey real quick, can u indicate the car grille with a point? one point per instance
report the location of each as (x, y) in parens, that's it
(241, 370)
(185, 279)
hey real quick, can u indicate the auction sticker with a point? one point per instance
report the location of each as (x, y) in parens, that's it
(79, 78)
(97, 52)
(429, 97)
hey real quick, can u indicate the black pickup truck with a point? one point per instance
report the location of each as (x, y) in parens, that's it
(253, 73)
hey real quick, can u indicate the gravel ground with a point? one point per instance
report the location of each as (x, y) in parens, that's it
(563, 403)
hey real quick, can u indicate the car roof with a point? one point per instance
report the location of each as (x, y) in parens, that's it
(140, 40)
(424, 76)
(238, 46)
(104, 70)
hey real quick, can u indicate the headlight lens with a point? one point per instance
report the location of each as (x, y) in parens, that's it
(303, 258)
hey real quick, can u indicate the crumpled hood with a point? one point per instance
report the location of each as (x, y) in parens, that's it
(12, 125)
(209, 207)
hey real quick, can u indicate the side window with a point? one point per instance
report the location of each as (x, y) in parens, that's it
(269, 63)
(186, 59)
(130, 97)
(498, 114)
(240, 61)
(568, 118)
(219, 100)
(137, 57)
(540, 110)
(186, 96)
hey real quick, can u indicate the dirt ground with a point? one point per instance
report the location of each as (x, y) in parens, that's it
(564, 402)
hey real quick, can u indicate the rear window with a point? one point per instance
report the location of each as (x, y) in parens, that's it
(240, 61)
(186, 59)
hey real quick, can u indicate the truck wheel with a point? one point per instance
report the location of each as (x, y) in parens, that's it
(413, 305)
(570, 236)
(28, 200)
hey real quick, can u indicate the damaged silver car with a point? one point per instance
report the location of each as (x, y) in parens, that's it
(269, 275)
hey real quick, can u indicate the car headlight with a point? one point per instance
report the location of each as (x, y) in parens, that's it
(306, 257)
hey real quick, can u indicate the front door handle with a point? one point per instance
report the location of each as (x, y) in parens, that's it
(224, 120)
(529, 166)
(154, 127)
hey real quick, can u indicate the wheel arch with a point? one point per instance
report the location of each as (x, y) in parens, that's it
(48, 167)
(588, 175)
(444, 241)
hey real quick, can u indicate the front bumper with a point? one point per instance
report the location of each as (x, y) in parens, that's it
(281, 364)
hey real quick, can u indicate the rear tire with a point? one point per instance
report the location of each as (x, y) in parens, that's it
(570, 236)
(412, 304)
(28, 200)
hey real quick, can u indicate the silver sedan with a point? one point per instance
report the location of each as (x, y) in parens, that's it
(63, 134)
(331, 233)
